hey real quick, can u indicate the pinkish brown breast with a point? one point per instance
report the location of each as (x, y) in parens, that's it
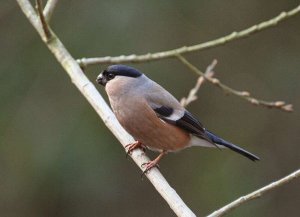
(143, 124)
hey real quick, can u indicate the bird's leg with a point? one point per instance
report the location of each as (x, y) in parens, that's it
(130, 147)
(153, 163)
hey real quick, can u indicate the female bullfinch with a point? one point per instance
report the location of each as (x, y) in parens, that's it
(154, 117)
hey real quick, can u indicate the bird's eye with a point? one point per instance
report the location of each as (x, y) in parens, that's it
(104, 72)
(110, 76)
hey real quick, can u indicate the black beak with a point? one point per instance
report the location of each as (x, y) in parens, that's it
(101, 80)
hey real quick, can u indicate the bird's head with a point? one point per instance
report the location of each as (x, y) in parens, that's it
(115, 71)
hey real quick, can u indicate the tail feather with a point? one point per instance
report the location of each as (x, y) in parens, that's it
(231, 146)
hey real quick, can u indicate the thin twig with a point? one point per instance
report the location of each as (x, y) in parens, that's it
(49, 8)
(97, 102)
(45, 26)
(256, 194)
(242, 94)
(133, 58)
(209, 73)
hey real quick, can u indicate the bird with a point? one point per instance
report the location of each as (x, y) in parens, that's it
(154, 117)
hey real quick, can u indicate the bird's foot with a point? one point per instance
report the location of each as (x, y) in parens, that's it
(130, 147)
(154, 163)
(149, 165)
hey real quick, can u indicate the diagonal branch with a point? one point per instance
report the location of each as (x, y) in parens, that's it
(133, 58)
(209, 73)
(256, 194)
(49, 8)
(242, 94)
(89, 91)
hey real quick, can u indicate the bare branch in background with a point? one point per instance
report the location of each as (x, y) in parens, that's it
(256, 194)
(133, 58)
(242, 94)
(89, 91)
(49, 8)
(39, 8)
(209, 73)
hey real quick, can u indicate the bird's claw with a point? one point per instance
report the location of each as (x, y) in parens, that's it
(149, 165)
(130, 147)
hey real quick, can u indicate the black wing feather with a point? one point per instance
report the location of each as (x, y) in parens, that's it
(164, 111)
(187, 122)
(191, 124)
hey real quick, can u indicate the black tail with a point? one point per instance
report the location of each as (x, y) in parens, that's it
(231, 146)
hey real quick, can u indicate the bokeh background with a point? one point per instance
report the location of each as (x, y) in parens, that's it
(58, 159)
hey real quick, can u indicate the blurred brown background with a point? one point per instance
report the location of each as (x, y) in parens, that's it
(58, 159)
